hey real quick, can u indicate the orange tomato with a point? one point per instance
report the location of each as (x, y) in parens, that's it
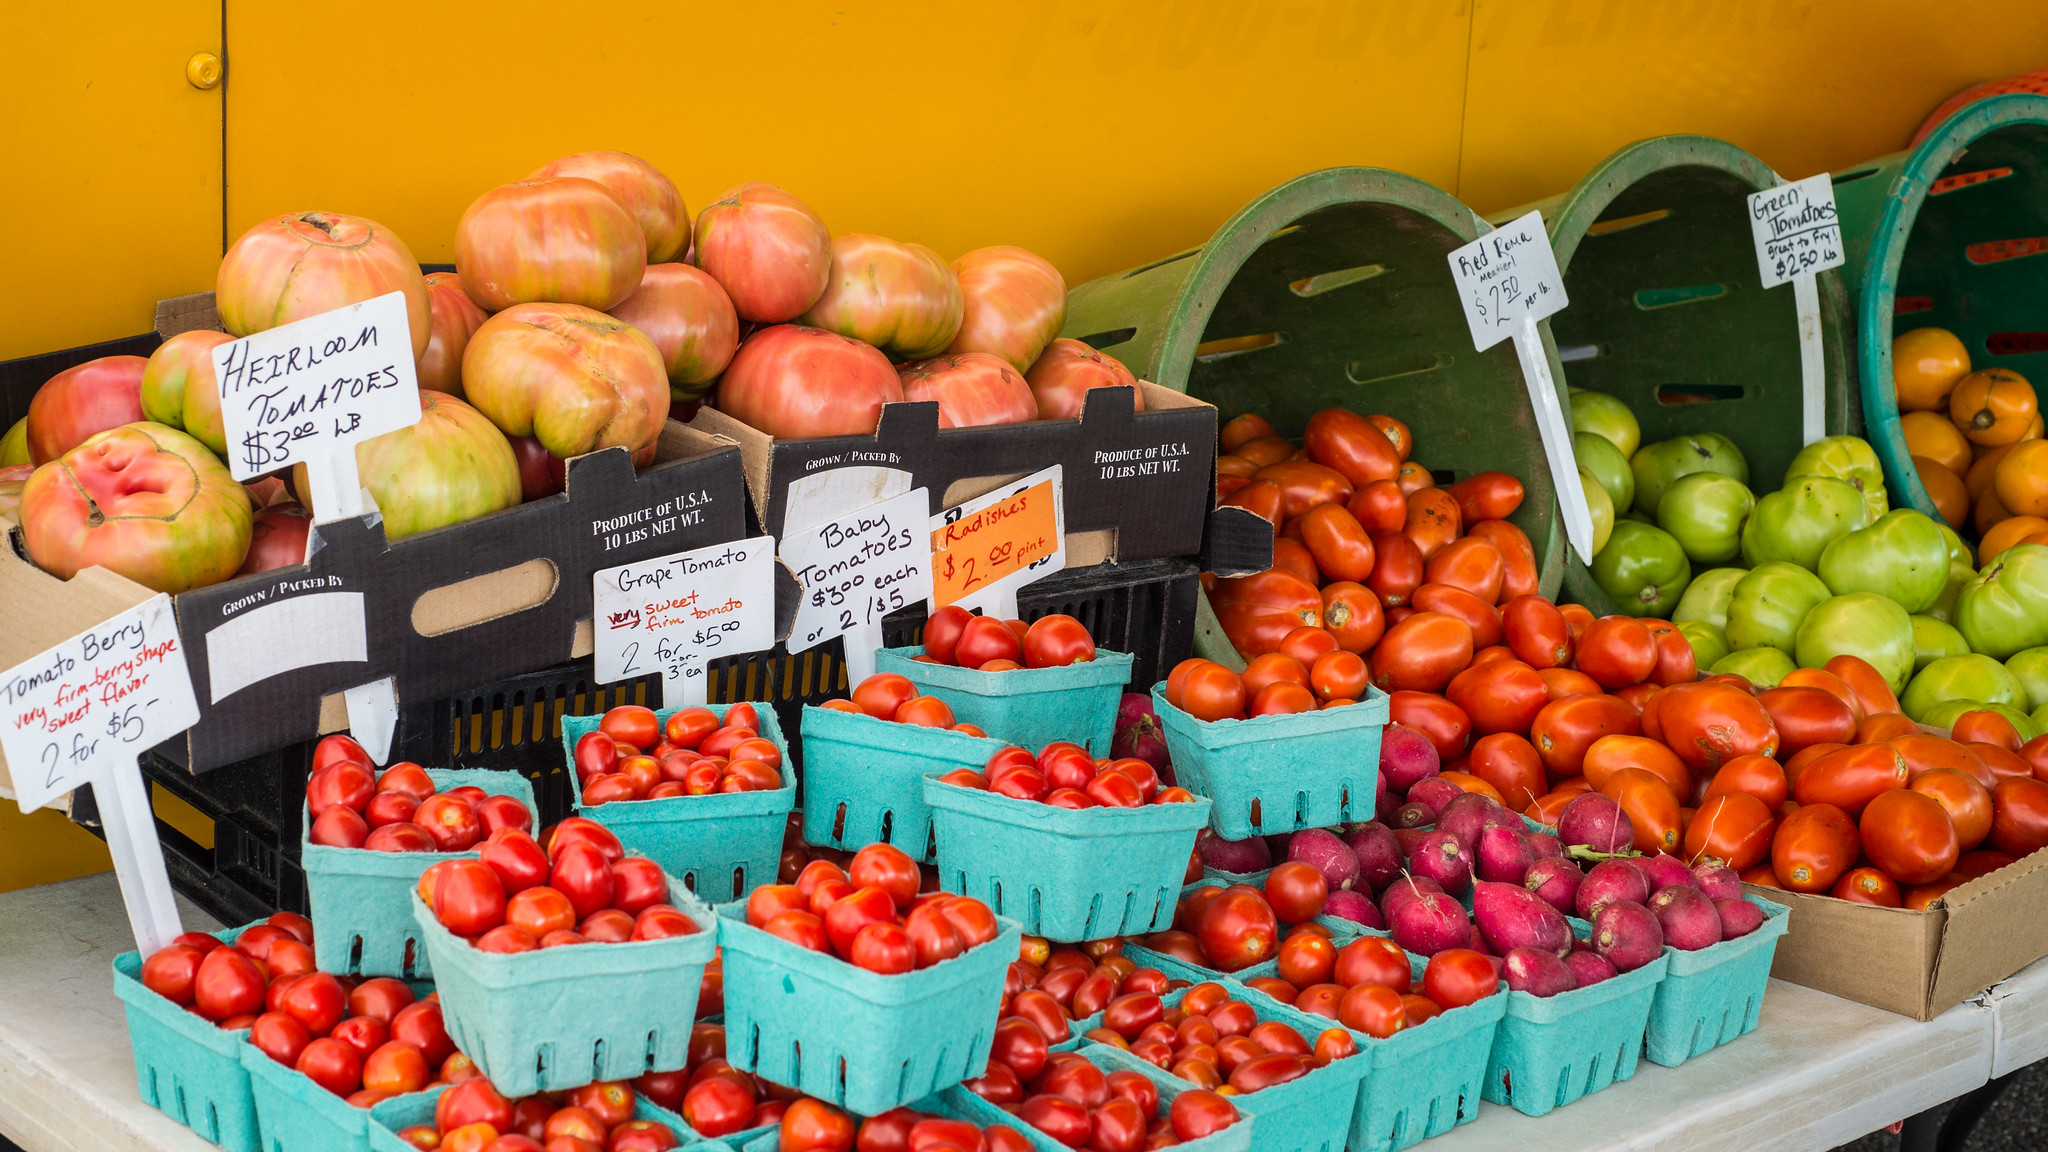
(1482, 617)
(1993, 406)
(1486, 496)
(1563, 682)
(1934, 436)
(1807, 716)
(1509, 763)
(1919, 898)
(1758, 776)
(1257, 611)
(1851, 778)
(1242, 427)
(1549, 806)
(1950, 494)
(1564, 730)
(1294, 558)
(1536, 630)
(1338, 542)
(1868, 886)
(1381, 506)
(1397, 570)
(1909, 836)
(2005, 534)
(1826, 681)
(1762, 874)
(1272, 668)
(1518, 557)
(1339, 675)
(1866, 682)
(1611, 754)
(1617, 651)
(1926, 364)
(1265, 450)
(1500, 696)
(1797, 762)
(1396, 432)
(1350, 444)
(1813, 846)
(2000, 762)
(2019, 820)
(1471, 783)
(1735, 828)
(1652, 808)
(1433, 520)
(1353, 616)
(1986, 727)
(1470, 563)
(1983, 470)
(1413, 477)
(1884, 726)
(1422, 653)
(1709, 723)
(1967, 802)
(1988, 512)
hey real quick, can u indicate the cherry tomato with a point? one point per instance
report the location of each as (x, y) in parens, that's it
(986, 638)
(718, 1106)
(332, 1065)
(632, 724)
(582, 874)
(942, 632)
(1057, 640)
(228, 983)
(345, 783)
(1456, 977)
(395, 1067)
(803, 929)
(883, 694)
(1373, 1009)
(1238, 929)
(687, 727)
(170, 971)
(1373, 960)
(1296, 891)
(419, 1024)
(597, 754)
(583, 830)
(1213, 692)
(925, 712)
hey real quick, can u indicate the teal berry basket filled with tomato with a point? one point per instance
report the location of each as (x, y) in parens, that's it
(864, 775)
(186, 1065)
(1052, 683)
(1281, 772)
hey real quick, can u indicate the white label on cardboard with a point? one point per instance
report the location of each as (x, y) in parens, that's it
(856, 569)
(320, 628)
(833, 493)
(675, 614)
(1505, 276)
(309, 391)
(94, 701)
(1796, 229)
(983, 551)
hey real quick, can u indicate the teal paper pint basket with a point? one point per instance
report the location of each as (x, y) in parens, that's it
(1067, 874)
(1031, 707)
(723, 845)
(1711, 996)
(1236, 1138)
(1273, 774)
(293, 1114)
(385, 1119)
(185, 1066)
(1551, 1051)
(357, 896)
(864, 778)
(858, 1039)
(565, 1017)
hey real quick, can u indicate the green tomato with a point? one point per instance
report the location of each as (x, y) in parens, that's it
(1763, 667)
(1606, 417)
(1798, 522)
(1945, 714)
(1658, 466)
(14, 445)
(1934, 639)
(2030, 668)
(1705, 511)
(1859, 624)
(1971, 677)
(1709, 643)
(1600, 506)
(1769, 602)
(1944, 606)
(1959, 553)
(1707, 597)
(1598, 455)
(2005, 609)
(1901, 555)
(1643, 569)
(1844, 458)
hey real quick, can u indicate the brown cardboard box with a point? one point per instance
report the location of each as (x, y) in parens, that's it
(1917, 964)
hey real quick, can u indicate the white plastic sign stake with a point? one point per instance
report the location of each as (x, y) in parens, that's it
(373, 716)
(1798, 236)
(856, 570)
(307, 392)
(986, 549)
(79, 714)
(1508, 280)
(678, 613)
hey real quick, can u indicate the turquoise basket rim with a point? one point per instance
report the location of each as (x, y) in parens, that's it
(1111, 668)
(1073, 822)
(1371, 712)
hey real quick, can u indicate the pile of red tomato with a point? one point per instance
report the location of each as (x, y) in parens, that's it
(871, 914)
(401, 810)
(1072, 1100)
(633, 755)
(953, 635)
(1367, 985)
(472, 1116)
(581, 888)
(1065, 776)
(712, 1096)
(814, 1126)
(891, 696)
(1231, 929)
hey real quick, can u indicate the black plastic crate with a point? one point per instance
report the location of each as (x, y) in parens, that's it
(20, 378)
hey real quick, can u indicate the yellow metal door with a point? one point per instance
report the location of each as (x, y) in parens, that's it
(111, 199)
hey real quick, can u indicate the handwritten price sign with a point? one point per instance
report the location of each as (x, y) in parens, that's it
(1798, 236)
(985, 549)
(675, 614)
(856, 570)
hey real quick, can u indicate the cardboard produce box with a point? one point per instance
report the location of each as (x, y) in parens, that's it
(1138, 485)
(439, 612)
(1918, 964)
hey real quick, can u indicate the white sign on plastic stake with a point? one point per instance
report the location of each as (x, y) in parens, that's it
(373, 716)
(1508, 280)
(986, 549)
(307, 392)
(678, 613)
(856, 570)
(79, 714)
(1798, 236)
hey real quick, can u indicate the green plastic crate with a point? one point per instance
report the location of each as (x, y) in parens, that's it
(1666, 302)
(1922, 229)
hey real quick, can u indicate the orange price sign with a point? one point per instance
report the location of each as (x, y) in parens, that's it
(984, 550)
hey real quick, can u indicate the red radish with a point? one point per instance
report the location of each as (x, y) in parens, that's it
(1440, 857)
(1378, 854)
(1468, 814)
(1589, 968)
(1430, 923)
(1537, 972)
(1718, 881)
(1435, 792)
(1597, 822)
(1689, 920)
(1238, 856)
(1513, 917)
(1504, 855)
(1556, 881)
(1608, 881)
(1403, 890)
(1347, 904)
(1738, 917)
(1413, 814)
(1627, 934)
(1406, 839)
(1406, 756)
(1667, 871)
(1383, 801)
(1138, 735)
(1544, 845)
(1320, 848)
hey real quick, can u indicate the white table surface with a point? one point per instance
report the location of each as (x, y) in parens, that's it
(1818, 1071)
